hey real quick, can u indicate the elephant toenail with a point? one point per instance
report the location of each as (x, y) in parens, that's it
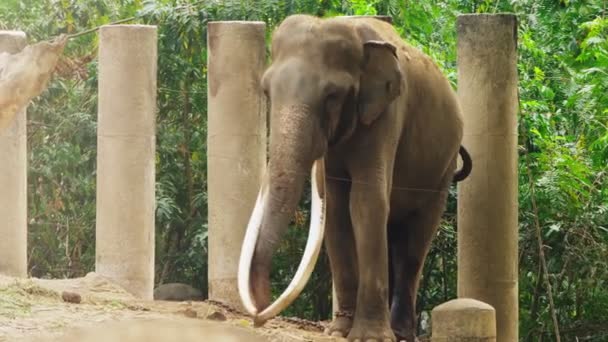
(337, 334)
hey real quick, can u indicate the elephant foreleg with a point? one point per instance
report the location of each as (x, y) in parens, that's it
(340, 246)
(369, 207)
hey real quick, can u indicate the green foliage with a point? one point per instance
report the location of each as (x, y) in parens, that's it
(563, 73)
(563, 118)
(181, 213)
(61, 141)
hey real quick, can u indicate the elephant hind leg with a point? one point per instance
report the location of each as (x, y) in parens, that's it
(410, 242)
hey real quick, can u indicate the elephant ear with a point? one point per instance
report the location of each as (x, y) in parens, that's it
(380, 80)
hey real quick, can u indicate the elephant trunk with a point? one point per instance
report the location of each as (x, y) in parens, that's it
(285, 189)
(290, 162)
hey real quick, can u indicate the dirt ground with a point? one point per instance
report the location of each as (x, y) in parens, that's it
(35, 310)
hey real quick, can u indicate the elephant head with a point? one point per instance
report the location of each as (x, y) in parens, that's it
(326, 78)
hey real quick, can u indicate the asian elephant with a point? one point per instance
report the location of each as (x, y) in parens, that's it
(381, 128)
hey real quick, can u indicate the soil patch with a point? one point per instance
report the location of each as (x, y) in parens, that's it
(37, 310)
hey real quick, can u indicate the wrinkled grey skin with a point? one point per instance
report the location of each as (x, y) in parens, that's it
(177, 292)
(388, 124)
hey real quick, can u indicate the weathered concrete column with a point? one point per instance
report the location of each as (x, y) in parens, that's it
(13, 180)
(125, 156)
(236, 145)
(487, 199)
(463, 320)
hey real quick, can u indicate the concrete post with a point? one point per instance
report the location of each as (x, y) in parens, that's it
(13, 180)
(236, 145)
(487, 199)
(126, 140)
(463, 320)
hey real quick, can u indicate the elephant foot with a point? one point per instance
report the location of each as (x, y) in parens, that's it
(404, 334)
(403, 337)
(341, 325)
(371, 331)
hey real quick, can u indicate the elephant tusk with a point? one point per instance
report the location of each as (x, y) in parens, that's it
(247, 250)
(311, 253)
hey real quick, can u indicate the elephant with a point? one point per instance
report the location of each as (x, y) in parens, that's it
(381, 128)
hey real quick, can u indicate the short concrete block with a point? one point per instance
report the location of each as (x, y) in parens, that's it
(464, 319)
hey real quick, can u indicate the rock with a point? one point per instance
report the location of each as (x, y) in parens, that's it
(188, 312)
(177, 292)
(216, 316)
(71, 297)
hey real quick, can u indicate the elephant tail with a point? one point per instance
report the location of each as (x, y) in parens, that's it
(467, 165)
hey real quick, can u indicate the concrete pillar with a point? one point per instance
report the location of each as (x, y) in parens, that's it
(126, 140)
(13, 180)
(236, 145)
(463, 320)
(487, 199)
